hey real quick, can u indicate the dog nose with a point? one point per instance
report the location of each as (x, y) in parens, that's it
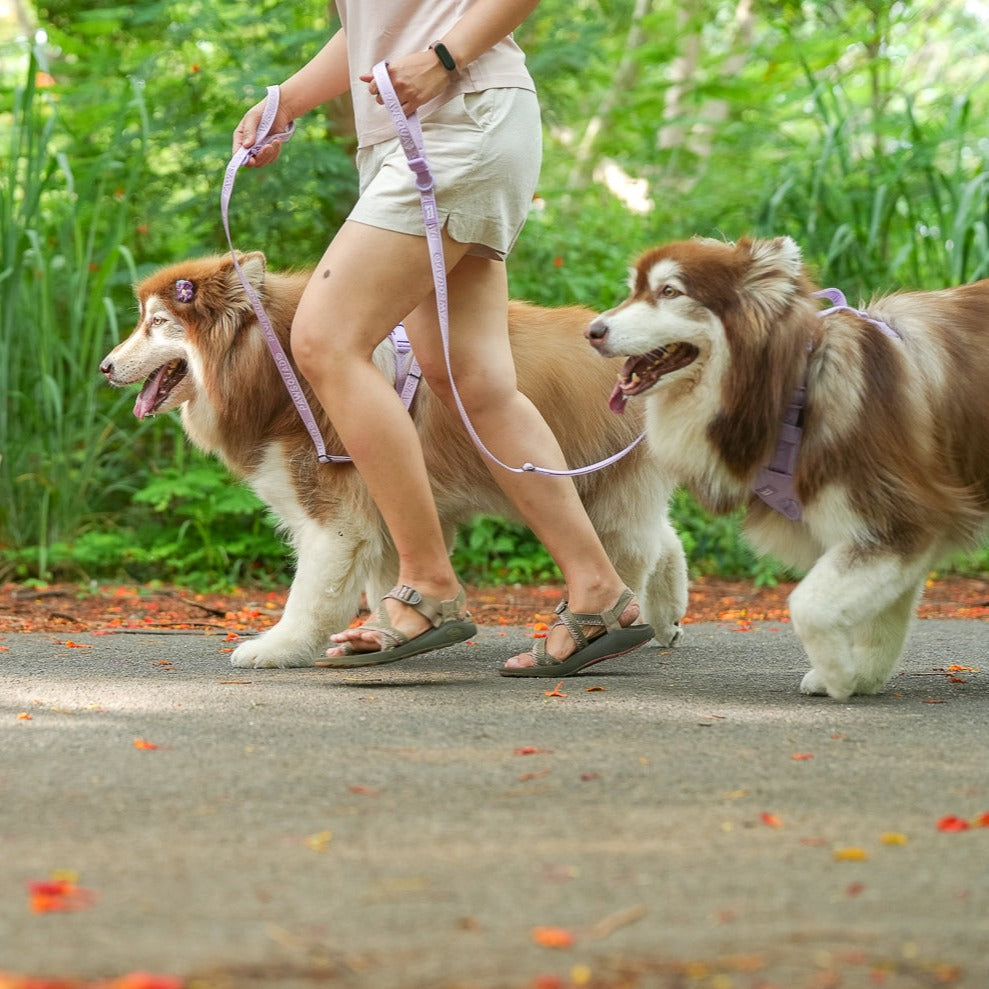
(597, 331)
(106, 368)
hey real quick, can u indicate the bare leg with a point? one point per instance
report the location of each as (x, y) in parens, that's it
(513, 429)
(366, 283)
(370, 279)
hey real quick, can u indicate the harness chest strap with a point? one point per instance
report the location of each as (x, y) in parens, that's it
(773, 483)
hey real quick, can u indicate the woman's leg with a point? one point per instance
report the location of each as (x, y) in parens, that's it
(368, 280)
(514, 430)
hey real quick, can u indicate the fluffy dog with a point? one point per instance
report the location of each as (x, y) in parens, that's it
(893, 466)
(198, 347)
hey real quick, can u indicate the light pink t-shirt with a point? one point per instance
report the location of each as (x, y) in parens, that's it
(383, 29)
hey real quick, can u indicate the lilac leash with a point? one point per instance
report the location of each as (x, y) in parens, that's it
(410, 137)
(774, 482)
(407, 372)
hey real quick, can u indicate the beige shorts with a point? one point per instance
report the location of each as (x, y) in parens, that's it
(484, 152)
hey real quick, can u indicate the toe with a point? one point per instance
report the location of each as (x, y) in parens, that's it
(524, 661)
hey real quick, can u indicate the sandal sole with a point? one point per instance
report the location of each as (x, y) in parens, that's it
(604, 647)
(448, 634)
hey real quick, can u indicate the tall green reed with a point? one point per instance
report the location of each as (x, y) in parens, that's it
(62, 254)
(900, 200)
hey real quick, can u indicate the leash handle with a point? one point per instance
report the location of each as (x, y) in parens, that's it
(409, 133)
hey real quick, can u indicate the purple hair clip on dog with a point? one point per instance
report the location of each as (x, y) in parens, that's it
(184, 290)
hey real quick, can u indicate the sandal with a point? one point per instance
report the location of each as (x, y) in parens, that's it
(615, 640)
(448, 628)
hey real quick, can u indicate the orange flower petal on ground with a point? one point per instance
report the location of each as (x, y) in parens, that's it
(556, 691)
(146, 980)
(802, 756)
(953, 823)
(320, 841)
(140, 743)
(850, 855)
(60, 894)
(553, 937)
(770, 820)
(893, 838)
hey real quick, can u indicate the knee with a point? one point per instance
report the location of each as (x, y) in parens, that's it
(478, 391)
(314, 350)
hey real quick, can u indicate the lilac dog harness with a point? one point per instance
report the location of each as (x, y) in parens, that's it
(773, 483)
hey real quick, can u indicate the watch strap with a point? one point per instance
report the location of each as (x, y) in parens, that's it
(443, 54)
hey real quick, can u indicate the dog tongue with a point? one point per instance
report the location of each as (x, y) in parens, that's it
(618, 400)
(145, 403)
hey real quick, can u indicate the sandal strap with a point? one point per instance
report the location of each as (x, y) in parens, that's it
(607, 620)
(435, 611)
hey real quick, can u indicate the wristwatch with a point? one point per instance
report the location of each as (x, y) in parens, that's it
(443, 54)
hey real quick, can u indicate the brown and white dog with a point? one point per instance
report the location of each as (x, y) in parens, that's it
(893, 467)
(198, 347)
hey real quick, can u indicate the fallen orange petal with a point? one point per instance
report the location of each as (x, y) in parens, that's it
(140, 743)
(59, 896)
(555, 692)
(553, 937)
(952, 823)
(771, 820)
(802, 756)
(893, 838)
(850, 854)
(146, 980)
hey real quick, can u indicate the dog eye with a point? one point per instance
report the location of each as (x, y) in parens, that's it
(158, 319)
(669, 292)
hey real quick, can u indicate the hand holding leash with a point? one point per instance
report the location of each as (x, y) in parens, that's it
(416, 79)
(253, 138)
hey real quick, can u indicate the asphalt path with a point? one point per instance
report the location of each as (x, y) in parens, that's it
(671, 818)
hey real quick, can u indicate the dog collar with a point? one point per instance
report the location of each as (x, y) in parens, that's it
(773, 483)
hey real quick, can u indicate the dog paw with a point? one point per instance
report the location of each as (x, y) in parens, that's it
(814, 684)
(669, 636)
(263, 654)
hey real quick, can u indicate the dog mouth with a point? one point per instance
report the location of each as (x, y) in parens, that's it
(159, 386)
(640, 373)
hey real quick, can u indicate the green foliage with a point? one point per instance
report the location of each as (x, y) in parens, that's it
(188, 525)
(61, 254)
(497, 551)
(853, 127)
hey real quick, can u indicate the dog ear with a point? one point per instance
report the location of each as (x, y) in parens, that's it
(254, 266)
(774, 269)
(778, 259)
(227, 284)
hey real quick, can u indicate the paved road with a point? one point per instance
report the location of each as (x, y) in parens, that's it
(434, 825)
